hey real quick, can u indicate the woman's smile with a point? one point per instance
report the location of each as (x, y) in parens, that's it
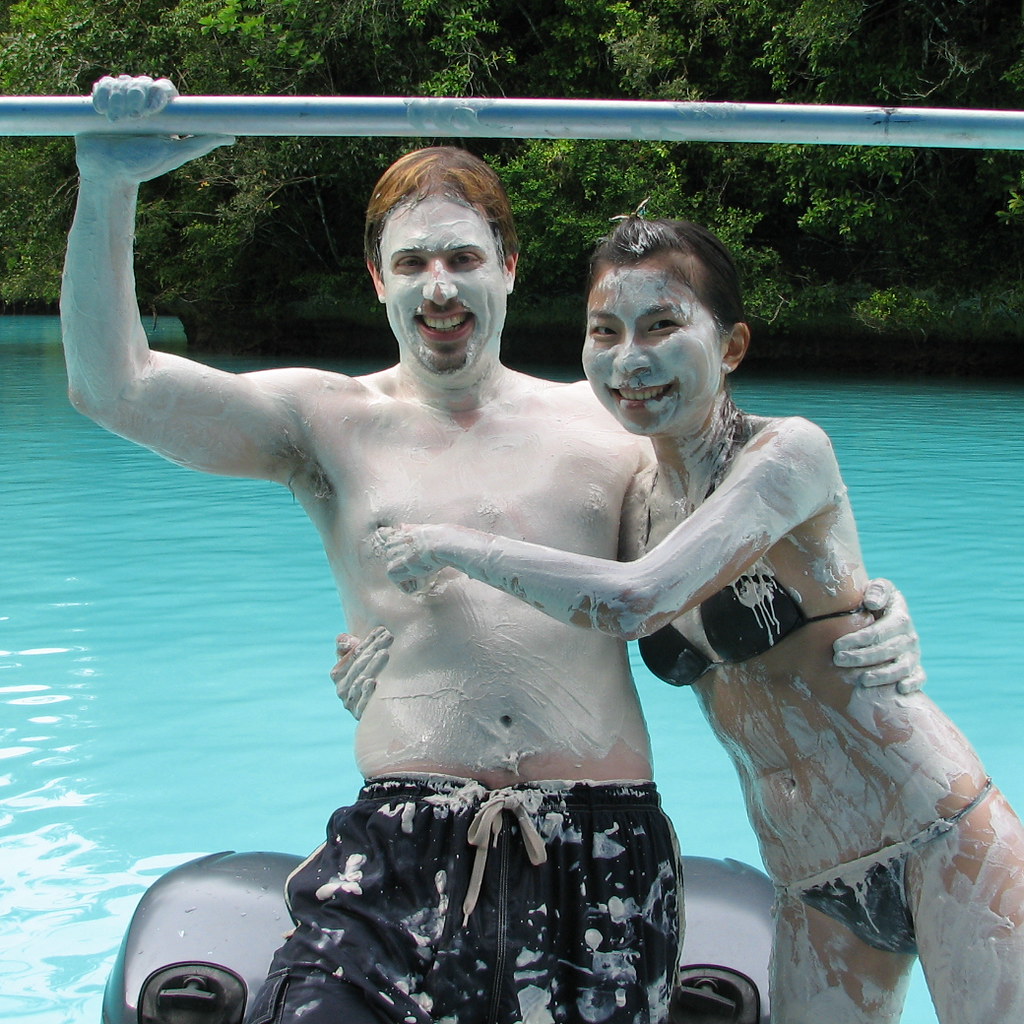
(653, 352)
(639, 397)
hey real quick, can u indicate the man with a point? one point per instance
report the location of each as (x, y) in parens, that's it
(495, 866)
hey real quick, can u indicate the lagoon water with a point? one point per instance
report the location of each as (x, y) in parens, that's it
(165, 639)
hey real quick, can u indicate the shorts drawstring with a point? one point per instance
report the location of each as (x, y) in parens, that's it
(484, 830)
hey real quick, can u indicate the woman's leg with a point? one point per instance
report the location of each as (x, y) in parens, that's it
(967, 892)
(822, 972)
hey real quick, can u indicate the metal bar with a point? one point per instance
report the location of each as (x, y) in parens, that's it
(529, 119)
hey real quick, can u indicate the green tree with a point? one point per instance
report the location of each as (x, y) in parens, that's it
(834, 241)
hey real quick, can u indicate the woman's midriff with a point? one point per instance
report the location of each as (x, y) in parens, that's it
(832, 771)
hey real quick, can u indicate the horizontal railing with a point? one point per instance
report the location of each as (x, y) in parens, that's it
(529, 119)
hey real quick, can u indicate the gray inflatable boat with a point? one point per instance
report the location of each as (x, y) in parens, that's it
(202, 937)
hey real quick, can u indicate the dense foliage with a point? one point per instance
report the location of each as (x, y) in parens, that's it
(919, 248)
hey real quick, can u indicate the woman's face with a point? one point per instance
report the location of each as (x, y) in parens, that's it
(654, 353)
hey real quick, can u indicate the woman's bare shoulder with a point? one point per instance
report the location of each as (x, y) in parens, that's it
(793, 435)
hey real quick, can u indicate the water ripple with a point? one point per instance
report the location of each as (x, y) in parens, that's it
(63, 906)
(179, 629)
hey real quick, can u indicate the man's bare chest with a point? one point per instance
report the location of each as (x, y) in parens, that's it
(527, 479)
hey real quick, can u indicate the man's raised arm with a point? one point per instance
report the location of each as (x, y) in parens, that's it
(190, 413)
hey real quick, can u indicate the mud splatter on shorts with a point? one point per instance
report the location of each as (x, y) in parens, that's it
(438, 901)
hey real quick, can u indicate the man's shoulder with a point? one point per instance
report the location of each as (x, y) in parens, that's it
(316, 384)
(570, 407)
(576, 393)
(576, 399)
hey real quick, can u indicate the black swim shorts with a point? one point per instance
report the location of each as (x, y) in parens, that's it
(435, 899)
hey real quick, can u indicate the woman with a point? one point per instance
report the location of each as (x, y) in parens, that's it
(876, 820)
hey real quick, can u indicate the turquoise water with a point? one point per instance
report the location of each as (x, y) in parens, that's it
(165, 639)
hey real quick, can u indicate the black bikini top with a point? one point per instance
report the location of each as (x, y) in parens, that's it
(741, 621)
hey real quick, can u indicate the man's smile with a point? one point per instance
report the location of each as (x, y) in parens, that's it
(444, 321)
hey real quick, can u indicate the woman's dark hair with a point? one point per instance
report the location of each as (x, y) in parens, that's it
(707, 265)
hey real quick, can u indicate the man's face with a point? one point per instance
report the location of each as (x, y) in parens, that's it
(445, 286)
